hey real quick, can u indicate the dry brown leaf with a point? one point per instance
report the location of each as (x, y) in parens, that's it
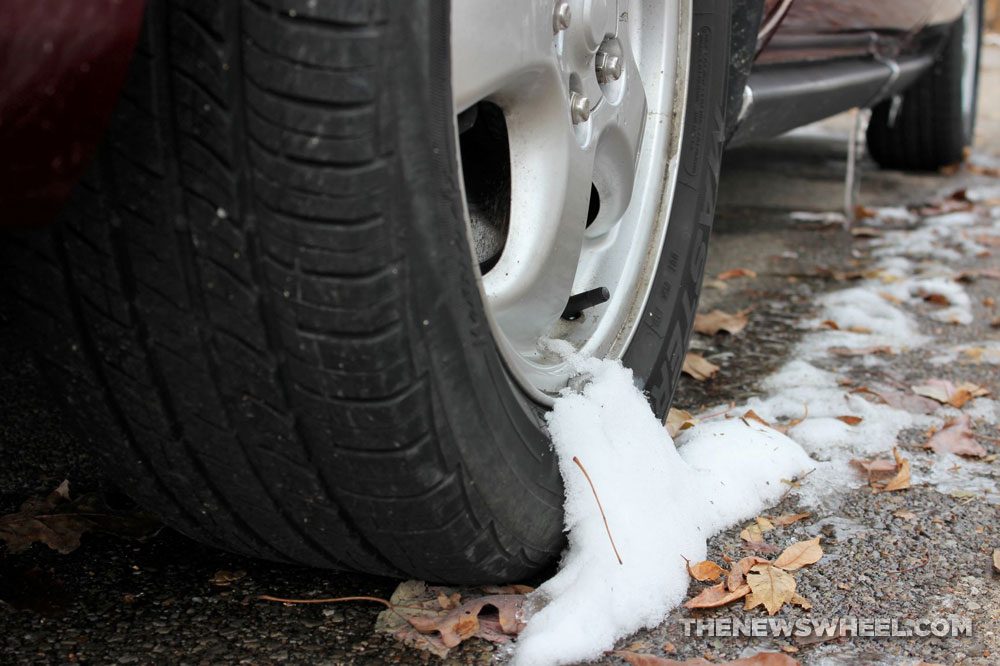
(752, 533)
(737, 273)
(464, 622)
(901, 481)
(877, 468)
(717, 595)
(800, 554)
(698, 367)
(904, 514)
(892, 298)
(738, 571)
(416, 616)
(956, 437)
(678, 420)
(850, 420)
(829, 323)
(915, 404)
(859, 329)
(751, 415)
(225, 578)
(771, 586)
(789, 518)
(59, 521)
(715, 321)
(799, 600)
(935, 298)
(705, 570)
(948, 393)
(860, 351)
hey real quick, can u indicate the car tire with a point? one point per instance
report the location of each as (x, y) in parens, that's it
(933, 122)
(262, 307)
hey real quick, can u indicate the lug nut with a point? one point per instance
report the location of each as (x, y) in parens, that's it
(561, 16)
(609, 67)
(579, 107)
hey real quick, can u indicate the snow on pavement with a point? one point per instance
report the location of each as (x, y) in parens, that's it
(662, 503)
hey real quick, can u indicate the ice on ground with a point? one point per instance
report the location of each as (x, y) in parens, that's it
(915, 290)
(661, 504)
(861, 308)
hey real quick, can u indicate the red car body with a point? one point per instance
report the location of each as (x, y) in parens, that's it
(63, 63)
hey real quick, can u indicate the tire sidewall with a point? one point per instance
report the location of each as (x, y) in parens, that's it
(494, 434)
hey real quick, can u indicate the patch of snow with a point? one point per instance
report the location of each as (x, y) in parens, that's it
(824, 217)
(722, 472)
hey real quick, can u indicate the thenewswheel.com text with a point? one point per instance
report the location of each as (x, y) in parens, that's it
(865, 627)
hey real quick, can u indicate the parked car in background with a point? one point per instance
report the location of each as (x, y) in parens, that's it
(310, 255)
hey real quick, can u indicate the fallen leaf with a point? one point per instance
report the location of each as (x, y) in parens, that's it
(463, 621)
(850, 420)
(947, 393)
(705, 570)
(935, 298)
(417, 618)
(878, 468)
(956, 437)
(715, 321)
(800, 554)
(904, 514)
(799, 600)
(895, 300)
(752, 533)
(770, 586)
(829, 323)
(751, 415)
(789, 518)
(737, 273)
(859, 329)
(717, 595)
(678, 420)
(225, 578)
(902, 479)
(698, 367)
(915, 404)
(738, 571)
(59, 521)
(860, 351)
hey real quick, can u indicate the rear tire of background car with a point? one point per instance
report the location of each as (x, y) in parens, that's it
(933, 123)
(262, 305)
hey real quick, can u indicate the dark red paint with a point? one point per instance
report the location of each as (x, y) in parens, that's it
(822, 29)
(62, 65)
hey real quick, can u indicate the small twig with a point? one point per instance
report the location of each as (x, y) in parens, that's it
(600, 508)
(329, 600)
(333, 600)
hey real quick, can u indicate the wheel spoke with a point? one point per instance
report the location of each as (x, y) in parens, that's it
(618, 121)
(529, 286)
(497, 45)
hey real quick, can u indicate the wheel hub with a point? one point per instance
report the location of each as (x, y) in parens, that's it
(586, 104)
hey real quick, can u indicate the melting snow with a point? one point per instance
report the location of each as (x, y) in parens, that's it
(661, 503)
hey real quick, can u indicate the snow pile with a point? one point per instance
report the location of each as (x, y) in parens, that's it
(875, 313)
(661, 504)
